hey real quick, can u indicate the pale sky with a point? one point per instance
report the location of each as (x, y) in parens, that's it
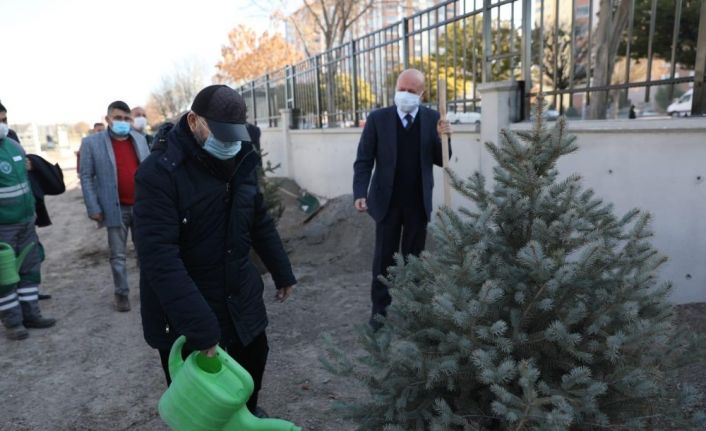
(64, 61)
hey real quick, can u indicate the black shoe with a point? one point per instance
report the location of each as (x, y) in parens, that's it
(122, 303)
(39, 322)
(44, 296)
(18, 332)
(261, 413)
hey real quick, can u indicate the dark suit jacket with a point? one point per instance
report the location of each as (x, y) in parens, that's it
(378, 147)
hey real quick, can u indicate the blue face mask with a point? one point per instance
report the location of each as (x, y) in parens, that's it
(221, 150)
(120, 128)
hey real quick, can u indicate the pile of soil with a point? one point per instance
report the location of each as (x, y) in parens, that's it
(335, 238)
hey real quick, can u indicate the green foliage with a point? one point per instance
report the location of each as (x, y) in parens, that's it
(463, 48)
(664, 29)
(343, 93)
(539, 310)
(270, 189)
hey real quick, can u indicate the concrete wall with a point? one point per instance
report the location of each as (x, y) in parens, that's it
(656, 165)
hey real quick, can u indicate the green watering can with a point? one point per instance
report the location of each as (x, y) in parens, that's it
(10, 264)
(209, 394)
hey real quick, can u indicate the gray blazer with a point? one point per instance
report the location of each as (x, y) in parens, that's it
(99, 177)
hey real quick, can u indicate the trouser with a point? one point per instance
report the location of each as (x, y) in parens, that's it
(252, 357)
(19, 301)
(117, 241)
(409, 224)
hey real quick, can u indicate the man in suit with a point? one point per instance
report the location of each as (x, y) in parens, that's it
(403, 142)
(109, 161)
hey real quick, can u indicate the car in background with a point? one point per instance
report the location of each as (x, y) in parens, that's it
(648, 112)
(682, 106)
(548, 114)
(463, 117)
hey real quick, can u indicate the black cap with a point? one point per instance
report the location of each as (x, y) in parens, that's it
(225, 112)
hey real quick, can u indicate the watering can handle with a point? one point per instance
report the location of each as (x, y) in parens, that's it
(237, 369)
(175, 359)
(23, 254)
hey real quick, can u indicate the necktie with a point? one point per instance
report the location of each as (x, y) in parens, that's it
(408, 121)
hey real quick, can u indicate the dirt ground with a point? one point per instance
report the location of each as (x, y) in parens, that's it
(94, 371)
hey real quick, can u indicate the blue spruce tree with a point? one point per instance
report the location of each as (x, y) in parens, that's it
(539, 310)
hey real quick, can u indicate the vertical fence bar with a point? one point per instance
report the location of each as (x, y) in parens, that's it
(295, 93)
(405, 43)
(512, 39)
(475, 59)
(555, 81)
(252, 98)
(653, 19)
(438, 65)
(317, 90)
(675, 37)
(572, 61)
(267, 100)
(354, 84)
(698, 99)
(631, 23)
(455, 50)
(496, 63)
(527, 49)
(541, 46)
(487, 43)
(287, 90)
(589, 71)
(464, 57)
(429, 66)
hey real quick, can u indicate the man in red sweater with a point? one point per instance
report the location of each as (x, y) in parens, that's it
(109, 160)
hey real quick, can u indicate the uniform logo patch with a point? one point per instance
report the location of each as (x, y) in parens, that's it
(5, 167)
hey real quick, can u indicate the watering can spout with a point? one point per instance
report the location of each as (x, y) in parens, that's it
(23, 255)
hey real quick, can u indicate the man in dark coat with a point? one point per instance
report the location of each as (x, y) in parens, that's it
(198, 212)
(403, 143)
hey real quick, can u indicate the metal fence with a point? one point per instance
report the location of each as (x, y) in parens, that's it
(548, 45)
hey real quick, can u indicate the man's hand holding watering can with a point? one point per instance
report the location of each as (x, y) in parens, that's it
(281, 296)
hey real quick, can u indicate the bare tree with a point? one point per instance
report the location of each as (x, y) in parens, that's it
(335, 17)
(612, 21)
(330, 19)
(177, 89)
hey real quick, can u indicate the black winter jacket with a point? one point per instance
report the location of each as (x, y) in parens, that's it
(45, 179)
(193, 233)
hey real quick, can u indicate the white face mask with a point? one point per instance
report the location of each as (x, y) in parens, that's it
(4, 129)
(139, 123)
(407, 102)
